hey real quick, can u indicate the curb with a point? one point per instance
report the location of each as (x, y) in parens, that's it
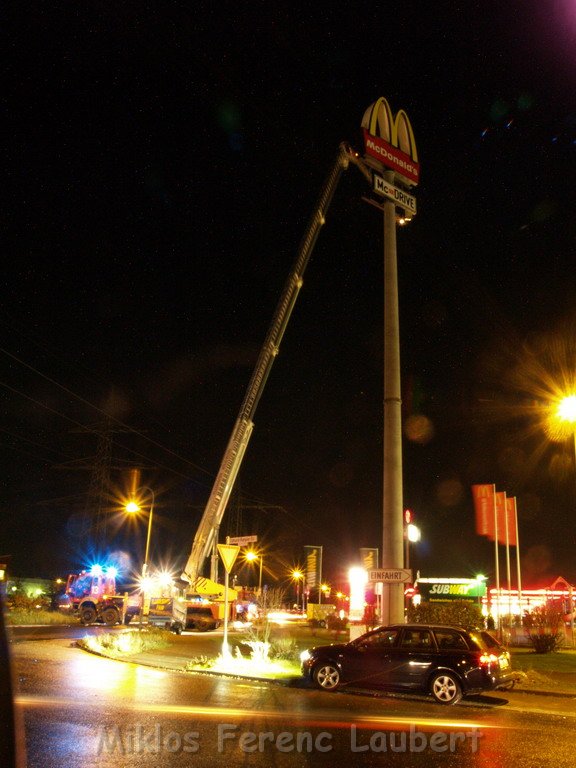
(288, 681)
(535, 692)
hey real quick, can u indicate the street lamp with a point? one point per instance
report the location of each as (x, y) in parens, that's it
(297, 576)
(133, 507)
(251, 556)
(566, 412)
(480, 580)
(324, 590)
(412, 534)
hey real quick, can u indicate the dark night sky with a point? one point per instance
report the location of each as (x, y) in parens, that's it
(162, 162)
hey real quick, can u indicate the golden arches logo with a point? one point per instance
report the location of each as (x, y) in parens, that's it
(390, 139)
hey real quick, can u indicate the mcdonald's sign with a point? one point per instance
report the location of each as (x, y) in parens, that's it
(390, 140)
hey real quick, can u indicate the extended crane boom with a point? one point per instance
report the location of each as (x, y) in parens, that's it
(207, 534)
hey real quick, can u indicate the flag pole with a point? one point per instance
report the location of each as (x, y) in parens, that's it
(497, 564)
(518, 576)
(508, 563)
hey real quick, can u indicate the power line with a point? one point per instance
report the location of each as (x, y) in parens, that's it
(104, 413)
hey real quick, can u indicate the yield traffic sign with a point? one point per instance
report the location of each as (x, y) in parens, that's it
(228, 553)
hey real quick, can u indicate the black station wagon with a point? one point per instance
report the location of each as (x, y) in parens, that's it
(445, 661)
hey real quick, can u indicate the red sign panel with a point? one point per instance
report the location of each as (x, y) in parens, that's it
(391, 157)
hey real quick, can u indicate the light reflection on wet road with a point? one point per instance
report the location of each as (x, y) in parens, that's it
(81, 710)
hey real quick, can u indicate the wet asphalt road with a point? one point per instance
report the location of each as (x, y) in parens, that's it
(81, 710)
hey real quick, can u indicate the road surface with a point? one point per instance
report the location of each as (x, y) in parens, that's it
(81, 710)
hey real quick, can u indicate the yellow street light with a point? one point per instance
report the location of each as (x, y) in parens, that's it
(567, 409)
(324, 590)
(132, 507)
(566, 413)
(250, 557)
(297, 576)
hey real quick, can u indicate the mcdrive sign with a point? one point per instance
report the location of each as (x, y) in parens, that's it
(390, 140)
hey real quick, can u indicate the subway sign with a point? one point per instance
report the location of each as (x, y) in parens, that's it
(445, 590)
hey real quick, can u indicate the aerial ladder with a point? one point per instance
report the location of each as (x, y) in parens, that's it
(206, 538)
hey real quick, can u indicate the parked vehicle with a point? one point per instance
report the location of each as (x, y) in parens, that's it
(92, 597)
(445, 661)
(168, 613)
(202, 617)
(317, 614)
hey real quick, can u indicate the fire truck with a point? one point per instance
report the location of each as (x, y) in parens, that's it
(92, 597)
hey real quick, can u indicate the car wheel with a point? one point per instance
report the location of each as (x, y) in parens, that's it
(446, 688)
(87, 615)
(110, 616)
(327, 676)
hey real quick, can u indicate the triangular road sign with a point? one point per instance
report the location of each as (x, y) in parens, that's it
(228, 553)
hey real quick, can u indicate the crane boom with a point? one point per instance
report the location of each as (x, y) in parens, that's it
(207, 533)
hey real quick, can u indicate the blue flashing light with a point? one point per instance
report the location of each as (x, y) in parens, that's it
(96, 570)
(111, 571)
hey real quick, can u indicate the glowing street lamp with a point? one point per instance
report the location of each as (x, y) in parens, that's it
(411, 534)
(251, 556)
(357, 578)
(566, 412)
(133, 508)
(298, 576)
(324, 590)
(481, 580)
(567, 409)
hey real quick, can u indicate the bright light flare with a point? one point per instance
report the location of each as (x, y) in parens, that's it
(357, 578)
(567, 409)
(132, 507)
(413, 533)
(146, 583)
(165, 579)
(240, 665)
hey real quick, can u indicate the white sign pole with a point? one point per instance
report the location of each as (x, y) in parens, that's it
(225, 646)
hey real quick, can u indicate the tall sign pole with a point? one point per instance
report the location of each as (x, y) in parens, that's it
(393, 522)
(391, 149)
(228, 552)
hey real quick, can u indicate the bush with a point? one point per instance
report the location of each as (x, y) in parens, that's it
(335, 623)
(458, 613)
(285, 648)
(543, 628)
(126, 643)
(546, 642)
(22, 616)
(27, 603)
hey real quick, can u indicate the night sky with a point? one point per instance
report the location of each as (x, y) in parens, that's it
(162, 163)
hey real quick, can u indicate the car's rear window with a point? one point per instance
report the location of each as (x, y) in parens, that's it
(449, 640)
(485, 641)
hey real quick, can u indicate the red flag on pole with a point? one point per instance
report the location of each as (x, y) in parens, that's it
(511, 516)
(484, 501)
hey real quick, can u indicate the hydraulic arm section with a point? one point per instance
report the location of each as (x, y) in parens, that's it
(207, 535)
